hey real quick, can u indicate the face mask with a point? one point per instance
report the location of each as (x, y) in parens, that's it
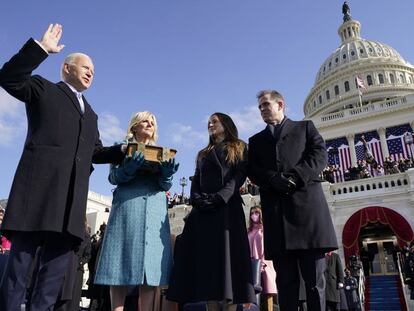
(254, 217)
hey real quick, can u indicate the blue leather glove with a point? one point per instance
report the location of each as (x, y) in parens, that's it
(168, 168)
(131, 165)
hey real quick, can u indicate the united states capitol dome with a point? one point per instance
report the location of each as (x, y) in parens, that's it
(381, 71)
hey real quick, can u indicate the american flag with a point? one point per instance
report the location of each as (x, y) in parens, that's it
(375, 147)
(395, 140)
(342, 160)
(398, 130)
(397, 148)
(360, 82)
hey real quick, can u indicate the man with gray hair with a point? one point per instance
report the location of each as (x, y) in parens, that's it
(285, 161)
(47, 202)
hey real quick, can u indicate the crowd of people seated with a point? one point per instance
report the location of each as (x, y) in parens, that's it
(362, 169)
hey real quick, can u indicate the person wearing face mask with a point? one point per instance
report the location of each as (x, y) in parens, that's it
(214, 261)
(268, 273)
(136, 248)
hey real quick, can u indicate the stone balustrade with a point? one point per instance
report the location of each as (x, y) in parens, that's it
(368, 187)
(361, 111)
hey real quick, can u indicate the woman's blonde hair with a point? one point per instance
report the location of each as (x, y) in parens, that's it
(234, 147)
(138, 118)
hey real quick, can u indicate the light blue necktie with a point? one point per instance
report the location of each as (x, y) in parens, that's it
(80, 100)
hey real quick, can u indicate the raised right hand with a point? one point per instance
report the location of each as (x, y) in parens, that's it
(131, 165)
(50, 39)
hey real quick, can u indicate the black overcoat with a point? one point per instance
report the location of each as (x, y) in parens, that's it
(213, 258)
(334, 275)
(351, 292)
(302, 220)
(50, 187)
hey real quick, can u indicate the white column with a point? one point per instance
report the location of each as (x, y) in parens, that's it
(383, 140)
(351, 144)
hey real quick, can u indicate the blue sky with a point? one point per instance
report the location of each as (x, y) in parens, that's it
(185, 59)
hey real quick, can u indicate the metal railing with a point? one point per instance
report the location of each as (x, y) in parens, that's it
(400, 262)
(361, 288)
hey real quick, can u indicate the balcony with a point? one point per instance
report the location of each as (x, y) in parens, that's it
(359, 112)
(393, 184)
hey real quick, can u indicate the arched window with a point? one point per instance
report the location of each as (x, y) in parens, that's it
(402, 79)
(314, 104)
(336, 90)
(369, 79)
(381, 78)
(328, 96)
(346, 84)
(392, 79)
(320, 99)
(411, 79)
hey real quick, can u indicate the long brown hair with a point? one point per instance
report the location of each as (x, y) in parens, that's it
(234, 146)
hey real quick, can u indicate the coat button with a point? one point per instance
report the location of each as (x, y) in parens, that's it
(77, 159)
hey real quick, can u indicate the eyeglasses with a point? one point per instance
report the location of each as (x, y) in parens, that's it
(255, 212)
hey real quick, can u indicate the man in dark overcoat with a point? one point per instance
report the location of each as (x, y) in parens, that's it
(285, 161)
(334, 276)
(47, 202)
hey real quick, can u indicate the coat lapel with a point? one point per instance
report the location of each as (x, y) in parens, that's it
(71, 95)
(265, 134)
(285, 131)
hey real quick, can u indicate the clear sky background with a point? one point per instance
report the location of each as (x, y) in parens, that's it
(185, 59)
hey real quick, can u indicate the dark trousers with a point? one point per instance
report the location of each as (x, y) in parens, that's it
(55, 251)
(312, 267)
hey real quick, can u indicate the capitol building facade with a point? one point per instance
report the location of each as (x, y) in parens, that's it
(362, 103)
(363, 100)
(364, 91)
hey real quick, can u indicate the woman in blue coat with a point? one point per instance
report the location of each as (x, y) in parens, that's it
(136, 248)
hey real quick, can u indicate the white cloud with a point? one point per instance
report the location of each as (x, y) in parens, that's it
(248, 120)
(186, 136)
(109, 129)
(13, 122)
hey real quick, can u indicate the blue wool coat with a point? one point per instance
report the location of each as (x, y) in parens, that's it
(137, 241)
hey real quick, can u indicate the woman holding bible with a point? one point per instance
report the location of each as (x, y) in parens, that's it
(137, 248)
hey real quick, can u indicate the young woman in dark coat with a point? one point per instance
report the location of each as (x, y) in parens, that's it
(213, 263)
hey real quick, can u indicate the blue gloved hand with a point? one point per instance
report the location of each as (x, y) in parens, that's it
(169, 168)
(131, 165)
